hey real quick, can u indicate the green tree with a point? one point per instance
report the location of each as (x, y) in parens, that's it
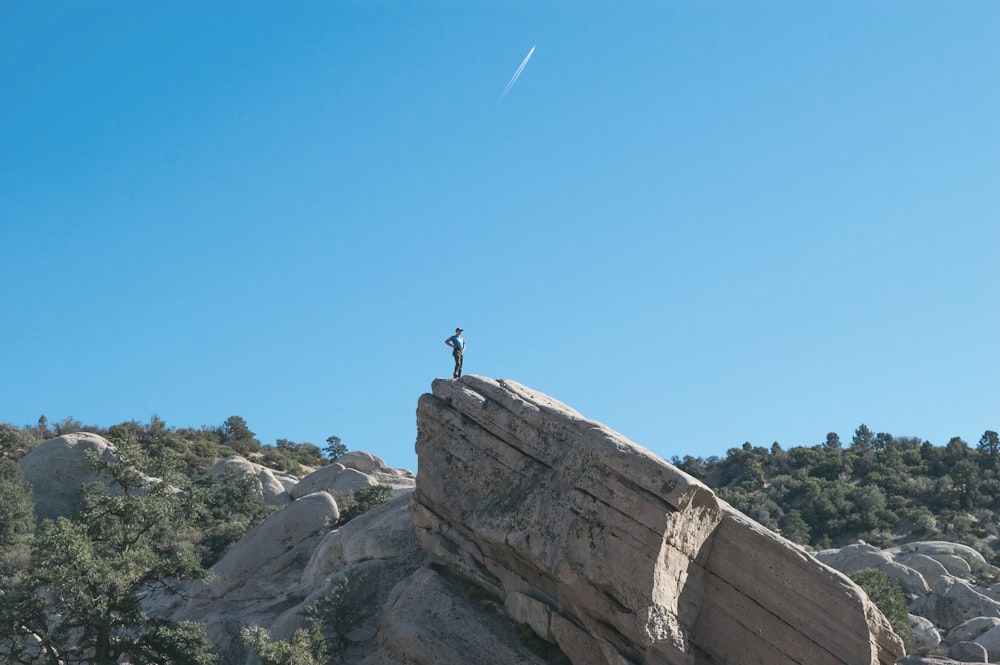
(79, 599)
(17, 515)
(237, 435)
(863, 439)
(966, 478)
(334, 448)
(989, 450)
(365, 499)
(13, 443)
(226, 506)
(307, 646)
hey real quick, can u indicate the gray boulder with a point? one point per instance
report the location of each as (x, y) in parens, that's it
(925, 635)
(973, 628)
(58, 469)
(951, 604)
(929, 568)
(351, 472)
(990, 640)
(853, 558)
(273, 486)
(968, 652)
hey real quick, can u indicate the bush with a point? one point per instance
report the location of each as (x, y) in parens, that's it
(888, 597)
(364, 500)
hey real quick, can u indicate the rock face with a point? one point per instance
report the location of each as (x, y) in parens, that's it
(613, 554)
(353, 471)
(273, 486)
(58, 468)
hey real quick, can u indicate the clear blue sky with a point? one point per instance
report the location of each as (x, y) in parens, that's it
(698, 222)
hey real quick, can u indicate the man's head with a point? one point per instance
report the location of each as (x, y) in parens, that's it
(458, 331)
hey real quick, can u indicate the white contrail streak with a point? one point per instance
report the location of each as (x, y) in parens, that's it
(513, 79)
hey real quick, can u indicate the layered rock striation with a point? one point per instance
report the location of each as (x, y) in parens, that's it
(613, 554)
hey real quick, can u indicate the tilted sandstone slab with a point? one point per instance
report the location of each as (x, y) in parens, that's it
(612, 553)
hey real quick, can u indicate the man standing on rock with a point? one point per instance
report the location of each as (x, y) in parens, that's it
(457, 345)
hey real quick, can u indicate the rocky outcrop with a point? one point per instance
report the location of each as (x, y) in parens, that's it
(530, 522)
(58, 469)
(294, 559)
(272, 486)
(611, 553)
(353, 471)
(950, 613)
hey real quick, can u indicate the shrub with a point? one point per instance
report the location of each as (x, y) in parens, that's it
(888, 597)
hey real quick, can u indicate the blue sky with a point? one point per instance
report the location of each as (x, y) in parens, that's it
(698, 222)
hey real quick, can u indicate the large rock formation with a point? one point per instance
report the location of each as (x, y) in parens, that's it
(58, 469)
(613, 554)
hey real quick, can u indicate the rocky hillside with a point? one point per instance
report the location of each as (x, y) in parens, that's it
(531, 534)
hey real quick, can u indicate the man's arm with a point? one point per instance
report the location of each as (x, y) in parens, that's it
(447, 342)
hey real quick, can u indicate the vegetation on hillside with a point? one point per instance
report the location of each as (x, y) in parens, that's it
(70, 588)
(195, 448)
(878, 488)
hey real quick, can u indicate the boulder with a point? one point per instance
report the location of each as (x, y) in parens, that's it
(273, 485)
(320, 480)
(257, 566)
(58, 468)
(383, 533)
(613, 554)
(952, 604)
(934, 547)
(350, 481)
(351, 472)
(990, 640)
(853, 558)
(925, 635)
(954, 564)
(910, 581)
(972, 629)
(968, 652)
(362, 461)
(930, 569)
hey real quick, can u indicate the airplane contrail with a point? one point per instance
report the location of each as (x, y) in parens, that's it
(520, 69)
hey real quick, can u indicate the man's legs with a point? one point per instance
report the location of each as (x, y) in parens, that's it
(458, 363)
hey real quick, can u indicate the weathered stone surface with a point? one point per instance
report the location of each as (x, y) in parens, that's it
(950, 609)
(968, 652)
(854, 557)
(936, 547)
(951, 604)
(351, 472)
(58, 468)
(257, 565)
(990, 640)
(973, 628)
(595, 541)
(430, 620)
(930, 569)
(319, 480)
(910, 581)
(925, 635)
(273, 485)
(363, 461)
